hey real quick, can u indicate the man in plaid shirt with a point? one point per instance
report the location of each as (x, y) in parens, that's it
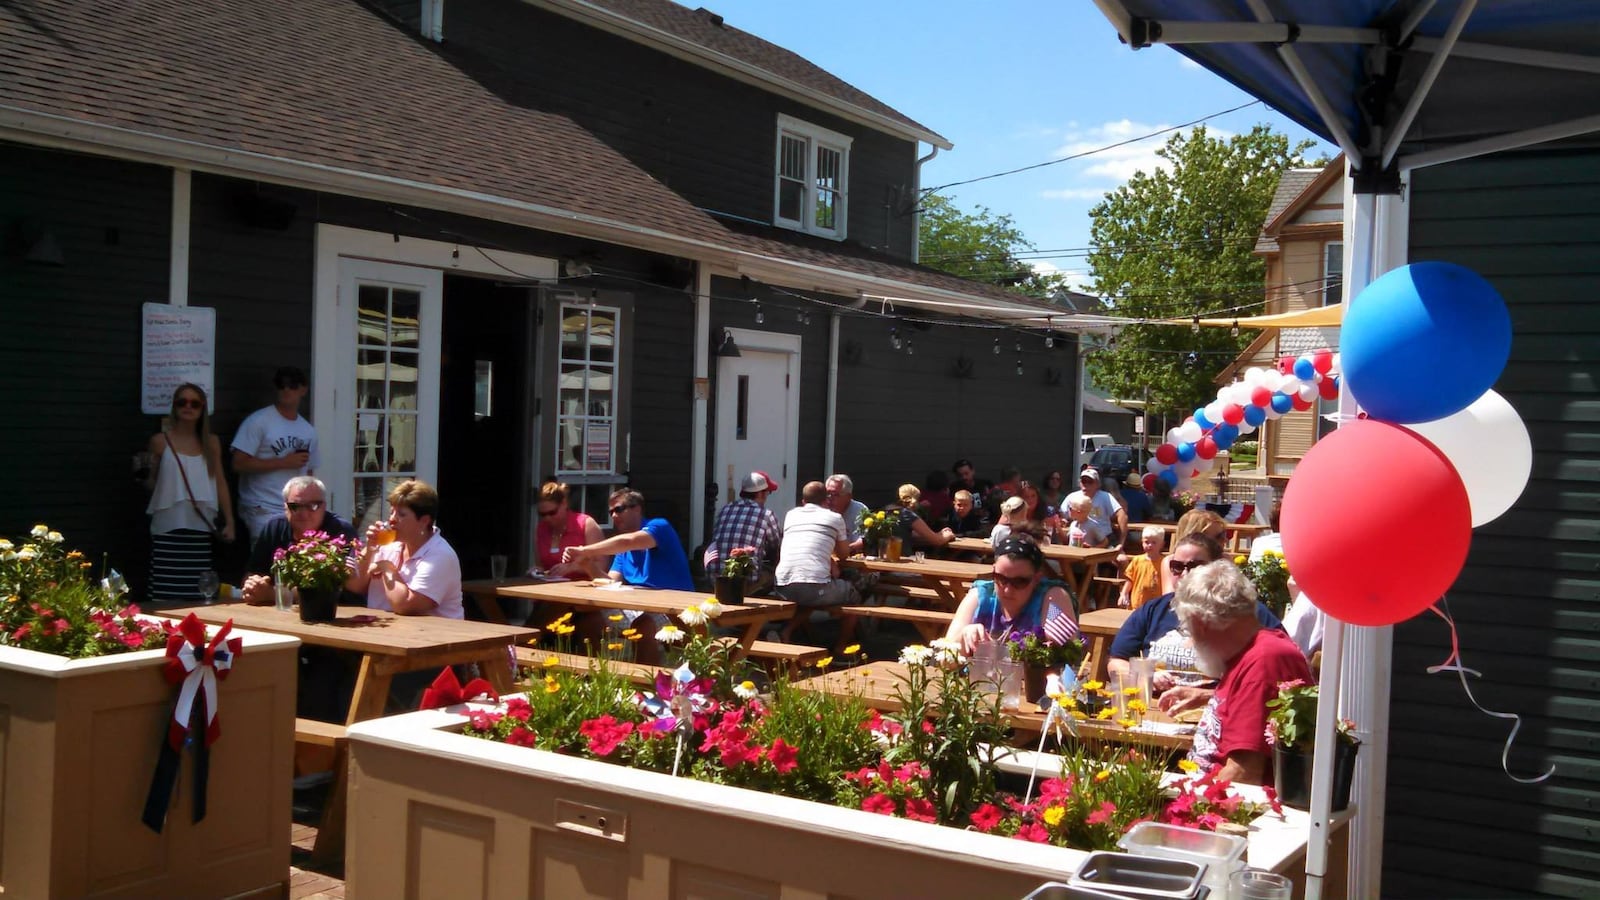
(746, 522)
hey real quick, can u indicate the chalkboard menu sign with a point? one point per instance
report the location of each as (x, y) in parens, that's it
(180, 345)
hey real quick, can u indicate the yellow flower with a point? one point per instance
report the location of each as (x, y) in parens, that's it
(852, 650)
(1079, 714)
(1137, 706)
(551, 662)
(1240, 560)
(1093, 685)
(1277, 553)
(866, 673)
(634, 636)
(551, 685)
(616, 618)
(1130, 692)
(563, 619)
(1126, 723)
(564, 629)
(614, 645)
(1102, 776)
(824, 662)
(1105, 714)
(1188, 766)
(1054, 815)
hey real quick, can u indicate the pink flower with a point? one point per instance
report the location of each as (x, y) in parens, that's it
(782, 756)
(21, 632)
(1101, 815)
(920, 810)
(1034, 832)
(604, 734)
(881, 804)
(986, 817)
(518, 708)
(482, 721)
(523, 737)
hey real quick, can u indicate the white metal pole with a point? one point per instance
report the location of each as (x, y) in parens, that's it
(698, 411)
(178, 251)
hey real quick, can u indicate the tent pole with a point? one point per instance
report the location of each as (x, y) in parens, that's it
(1435, 63)
(1413, 19)
(1291, 59)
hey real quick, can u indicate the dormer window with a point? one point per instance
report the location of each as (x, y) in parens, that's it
(812, 178)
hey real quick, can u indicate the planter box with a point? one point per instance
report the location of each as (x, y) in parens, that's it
(433, 813)
(78, 742)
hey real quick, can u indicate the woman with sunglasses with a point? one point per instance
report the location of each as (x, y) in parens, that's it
(1195, 521)
(1017, 597)
(1152, 629)
(187, 490)
(559, 528)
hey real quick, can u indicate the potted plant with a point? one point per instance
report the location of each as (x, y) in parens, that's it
(87, 714)
(316, 566)
(737, 570)
(878, 530)
(1270, 575)
(1291, 730)
(1040, 656)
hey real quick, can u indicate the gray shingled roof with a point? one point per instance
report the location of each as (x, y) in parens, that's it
(1291, 185)
(1295, 341)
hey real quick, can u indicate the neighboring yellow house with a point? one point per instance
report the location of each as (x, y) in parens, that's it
(1301, 245)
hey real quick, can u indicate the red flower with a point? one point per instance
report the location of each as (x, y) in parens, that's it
(1034, 832)
(1272, 798)
(21, 632)
(604, 734)
(1101, 815)
(482, 721)
(518, 708)
(522, 737)
(782, 756)
(986, 817)
(927, 726)
(881, 804)
(920, 810)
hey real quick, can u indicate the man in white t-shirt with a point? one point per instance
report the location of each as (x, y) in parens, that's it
(813, 536)
(274, 444)
(1107, 513)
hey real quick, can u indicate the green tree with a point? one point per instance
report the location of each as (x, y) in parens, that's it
(1175, 244)
(979, 245)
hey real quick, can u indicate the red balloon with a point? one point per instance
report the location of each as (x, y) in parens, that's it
(1328, 388)
(1261, 397)
(1322, 361)
(1205, 448)
(1166, 454)
(1233, 414)
(1150, 482)
(1301, 404)
(1349, 567)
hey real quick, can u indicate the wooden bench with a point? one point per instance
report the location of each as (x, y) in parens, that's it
(930, 623)
(791, 658)
(534, 658)
(1103, 592)
(318, 733)
(329, 736)
(916, 594)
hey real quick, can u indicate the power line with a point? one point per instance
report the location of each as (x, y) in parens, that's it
(1063, 159)
(1108, 248)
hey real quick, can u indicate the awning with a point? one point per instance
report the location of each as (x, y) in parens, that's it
(1397, 84)
(1318, 317)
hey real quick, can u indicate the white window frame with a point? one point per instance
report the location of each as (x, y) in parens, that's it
(583, 420)
(1332, 251)
(814, 136)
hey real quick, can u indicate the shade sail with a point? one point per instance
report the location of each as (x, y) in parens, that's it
(1318, 317)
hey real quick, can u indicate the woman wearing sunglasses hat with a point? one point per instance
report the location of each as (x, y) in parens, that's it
(1016, 597)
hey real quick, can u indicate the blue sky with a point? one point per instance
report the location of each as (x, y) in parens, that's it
(1010, 83)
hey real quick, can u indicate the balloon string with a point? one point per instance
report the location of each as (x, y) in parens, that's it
(1453, 664)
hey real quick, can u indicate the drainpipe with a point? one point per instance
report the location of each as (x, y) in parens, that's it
(833, 394)
(701, 388)
(916, 198)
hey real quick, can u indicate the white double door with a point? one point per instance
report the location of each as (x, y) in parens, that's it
(758, 415)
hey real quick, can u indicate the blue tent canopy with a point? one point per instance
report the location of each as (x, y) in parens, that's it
(1395, 83)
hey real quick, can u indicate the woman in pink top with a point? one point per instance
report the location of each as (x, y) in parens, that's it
(559, 528)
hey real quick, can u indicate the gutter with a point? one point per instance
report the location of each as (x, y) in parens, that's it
(916, 204)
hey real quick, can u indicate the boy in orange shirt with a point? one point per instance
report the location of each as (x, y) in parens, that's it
(1142, 580)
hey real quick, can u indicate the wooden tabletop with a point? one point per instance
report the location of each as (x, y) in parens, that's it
(585, 595)
(363, 630)
(1099, 629)
(878, 684)
(930, 567)
(1057, 552)
(1103, 621)
(1244, 528)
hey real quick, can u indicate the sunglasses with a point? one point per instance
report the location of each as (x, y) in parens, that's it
(1015, 582)
(1179, 567)
(190, 403)
(312, 506)
(549, 513)
(619, 510)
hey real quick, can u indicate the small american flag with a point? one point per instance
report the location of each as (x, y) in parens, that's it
(1060, 629)
(710, 559)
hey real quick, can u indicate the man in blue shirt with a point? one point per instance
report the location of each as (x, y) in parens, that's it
(647, 552)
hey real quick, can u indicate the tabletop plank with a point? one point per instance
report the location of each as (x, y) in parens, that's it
(584, 595)
(374, 631)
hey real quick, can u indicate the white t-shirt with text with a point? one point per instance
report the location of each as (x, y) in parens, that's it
(266, 434)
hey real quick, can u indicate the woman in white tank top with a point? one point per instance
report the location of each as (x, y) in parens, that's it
(188, 490)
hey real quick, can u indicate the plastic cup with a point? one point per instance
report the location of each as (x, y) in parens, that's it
(497, 566)
(282, 597)
(1249, 884)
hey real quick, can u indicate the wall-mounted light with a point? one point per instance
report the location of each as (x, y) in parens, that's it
(575, 268)
(728, 347)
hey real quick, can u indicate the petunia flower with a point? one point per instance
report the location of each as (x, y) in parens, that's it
(986, 817)
(882, 804)
(782, 756)
(1101, 815)
(920, 810)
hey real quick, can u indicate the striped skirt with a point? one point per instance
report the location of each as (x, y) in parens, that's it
(177, 558)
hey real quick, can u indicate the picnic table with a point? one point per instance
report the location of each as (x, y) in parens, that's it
(878, 684)
(946, 577)
(388, 645)
(1246, 531)
(752, 615)
(1087, 557)
(1099, 628)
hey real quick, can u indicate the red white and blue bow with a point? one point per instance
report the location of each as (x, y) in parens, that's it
(195, 664)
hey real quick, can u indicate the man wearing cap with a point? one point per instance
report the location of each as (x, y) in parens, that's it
(746, 522)
(1107, 511)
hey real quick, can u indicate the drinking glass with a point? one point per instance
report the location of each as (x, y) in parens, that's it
(919, 556)
(497, 567)
(1008, 673)
(282, 596)
(207, 585)
(385, 534)
(1250, 884)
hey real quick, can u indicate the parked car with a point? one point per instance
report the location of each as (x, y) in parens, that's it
(1092, 442)
(1115, 462)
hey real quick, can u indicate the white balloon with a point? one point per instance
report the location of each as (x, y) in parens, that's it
(1245, 427)
(1214, 411)
(1252, 375)
(1308, 392)
(1153, 465)
(1488, 444)
(1272, 380)
(1173, 437)
(1203, 464)
(1189, 432)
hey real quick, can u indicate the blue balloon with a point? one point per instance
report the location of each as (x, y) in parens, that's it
(1201, 420)
(1434, 319)
(1305, 369)
(1255, 415)
(1170, 476)
(1186, 452)
(1282, 403)
(1225, 432)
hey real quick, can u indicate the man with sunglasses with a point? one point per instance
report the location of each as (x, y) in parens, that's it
(273, 444)
(304, 510)
(647, 552)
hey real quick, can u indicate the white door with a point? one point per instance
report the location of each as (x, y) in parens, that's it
(758, 414)
(386, 394)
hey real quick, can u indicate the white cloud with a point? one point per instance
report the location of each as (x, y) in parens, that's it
(1105, 170)
(1076, 279)
(1074, 194)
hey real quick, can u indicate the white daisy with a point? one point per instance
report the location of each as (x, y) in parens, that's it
(5, 544)
(744, 690)
(947, 652)
(55, 537)
(692, 616)
(40, 530)
(711, 608)
(916, 655)
(670, 634)
(27, 552)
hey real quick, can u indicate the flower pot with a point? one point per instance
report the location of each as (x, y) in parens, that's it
(730, 591)
(1034, 678)
(80, 738)
(1292, 774)
(319, 604)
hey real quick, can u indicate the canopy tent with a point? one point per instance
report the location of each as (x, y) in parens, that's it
(1398, 85)
(1317, 317)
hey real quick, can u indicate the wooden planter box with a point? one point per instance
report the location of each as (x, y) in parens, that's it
(78, 742)
(437, 814)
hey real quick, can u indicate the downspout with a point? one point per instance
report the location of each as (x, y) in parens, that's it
(916, 200)
(701, 392)
(832, 424)
(178, 251)
(1077, 404)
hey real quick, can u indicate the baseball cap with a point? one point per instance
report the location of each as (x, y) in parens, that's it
(757, 481)
(1090, 472)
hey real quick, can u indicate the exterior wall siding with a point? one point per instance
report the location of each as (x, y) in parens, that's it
(706, 136)
(1528, 600)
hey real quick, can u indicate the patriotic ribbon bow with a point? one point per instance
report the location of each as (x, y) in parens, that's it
(446, 690)
(196, 665)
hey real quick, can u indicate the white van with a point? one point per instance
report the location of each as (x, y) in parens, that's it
(1093, 442)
